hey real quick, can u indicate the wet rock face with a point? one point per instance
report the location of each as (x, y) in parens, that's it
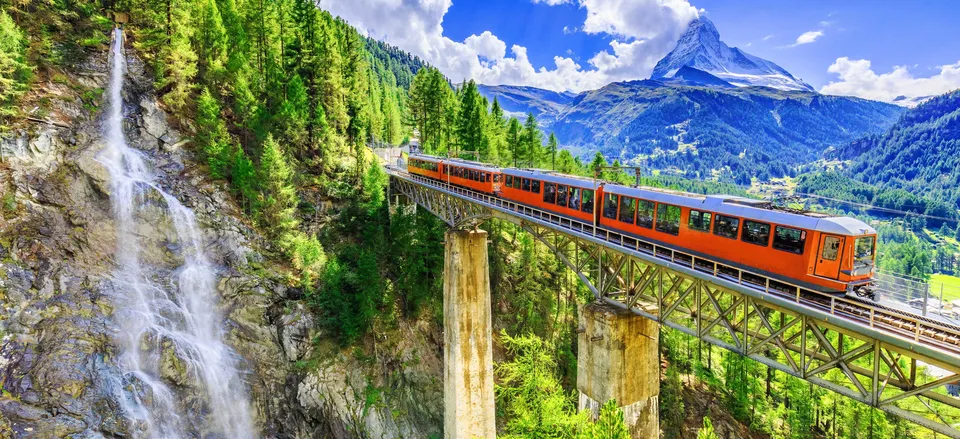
(58, 352)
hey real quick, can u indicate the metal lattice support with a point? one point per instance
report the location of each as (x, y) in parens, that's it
(879, 356)
(455, 211)
(839, 359)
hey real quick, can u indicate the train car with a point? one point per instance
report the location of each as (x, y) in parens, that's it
(425, 165)
(814, 251)
(473, 175)
(573, 197)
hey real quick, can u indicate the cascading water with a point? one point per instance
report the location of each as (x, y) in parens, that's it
(163, 315)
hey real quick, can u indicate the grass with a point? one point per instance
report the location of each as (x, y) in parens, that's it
(951, 286)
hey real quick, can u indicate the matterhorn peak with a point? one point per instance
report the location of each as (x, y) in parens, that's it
(700, 48)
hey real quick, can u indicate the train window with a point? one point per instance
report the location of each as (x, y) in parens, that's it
(574, 198)
(789, 240)
(645, 213)
(509, 181)
(726, 226)
(756, 233)
(628, 207)
(550, 193)
(610, 206)
(831, 248)
(535, 186)
(516, 182)
(496, 178)
(668, 219)
(526, 184)
(700, 220)
(561, 195)
(864, 248)
(475, 175)
(588, 200)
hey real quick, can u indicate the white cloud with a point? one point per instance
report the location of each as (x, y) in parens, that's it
(808, 37)
(767, 37)
(857, 78)
(643, 31)
(487, 45)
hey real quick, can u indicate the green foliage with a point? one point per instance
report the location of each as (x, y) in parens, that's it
(707, 432)
(530, 393)
(671, 404)
(15, 74)
(278, 201)
(609, 424)
(841, 187)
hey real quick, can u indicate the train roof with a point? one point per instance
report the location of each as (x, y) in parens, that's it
(426, 157)
(758, 210)
(553, 177)
(471, 165)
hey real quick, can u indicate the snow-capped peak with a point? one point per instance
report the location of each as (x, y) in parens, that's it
(700, 48)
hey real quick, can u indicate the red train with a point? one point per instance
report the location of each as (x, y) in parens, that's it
(812, 250)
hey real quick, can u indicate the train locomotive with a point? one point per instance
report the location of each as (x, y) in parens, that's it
(815, 251)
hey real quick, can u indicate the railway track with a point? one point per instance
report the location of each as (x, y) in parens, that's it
(916, 328)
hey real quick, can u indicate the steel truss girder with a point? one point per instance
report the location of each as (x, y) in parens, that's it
(847, 362)
(838, 344)
(457, 212)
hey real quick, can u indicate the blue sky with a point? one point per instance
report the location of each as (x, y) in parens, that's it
(874, 49)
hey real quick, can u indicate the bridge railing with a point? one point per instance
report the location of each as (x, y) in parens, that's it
(896, 320)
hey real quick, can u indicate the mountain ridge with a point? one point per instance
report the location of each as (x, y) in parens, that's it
(700, 47)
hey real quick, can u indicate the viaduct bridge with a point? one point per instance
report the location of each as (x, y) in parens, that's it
(888, 358)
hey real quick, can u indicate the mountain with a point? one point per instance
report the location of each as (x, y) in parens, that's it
(517, 101)
(700, 48)
(709, 131)
(920, 153)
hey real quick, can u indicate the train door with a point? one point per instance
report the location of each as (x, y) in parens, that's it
(828, 258)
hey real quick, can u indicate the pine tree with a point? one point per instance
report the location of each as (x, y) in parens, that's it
(532, 140)
(470, 132)
(515, 140)
(552, 147)
(212, 135)
(707, 432)
(610, 424)
(211, 44)
(278, 197)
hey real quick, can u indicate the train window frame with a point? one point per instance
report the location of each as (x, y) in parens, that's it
(573, 200)
(526, 185)
(562, 192)
(496, 178)
(744, 236)
(789, 247)
(631, 203)
(699, 214)
(651, 209)
(550, 193)
(833, 248)
(605, 209)
(516, 182)
(588, 201)
(509, 181)
(660, 224)
(718, 220)
(535, 186)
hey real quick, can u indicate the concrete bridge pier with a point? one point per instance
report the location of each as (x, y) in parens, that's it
(617, 359)
(468, 351)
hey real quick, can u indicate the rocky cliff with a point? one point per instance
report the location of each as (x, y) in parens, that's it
(58, 365)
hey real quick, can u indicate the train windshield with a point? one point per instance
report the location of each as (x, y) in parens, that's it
(864, 249)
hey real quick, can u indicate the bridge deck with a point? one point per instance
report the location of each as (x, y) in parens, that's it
(737, 309)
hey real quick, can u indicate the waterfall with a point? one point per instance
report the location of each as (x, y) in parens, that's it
(166, 316)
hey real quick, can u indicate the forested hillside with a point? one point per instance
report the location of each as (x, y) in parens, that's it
(919, 154)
